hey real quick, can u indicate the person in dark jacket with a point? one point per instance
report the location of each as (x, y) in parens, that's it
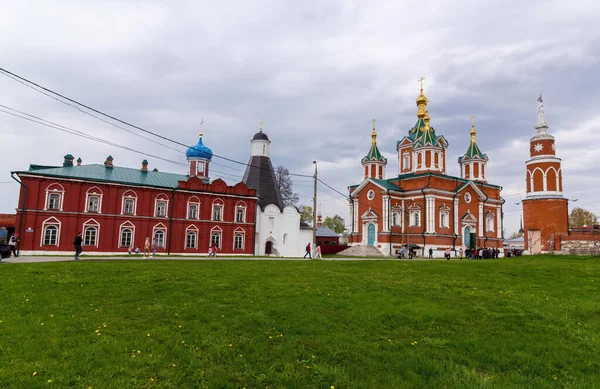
(77, 243)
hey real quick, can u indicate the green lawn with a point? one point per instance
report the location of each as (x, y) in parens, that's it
(531, 322)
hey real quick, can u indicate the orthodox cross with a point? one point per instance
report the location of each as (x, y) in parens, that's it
(373, 121)
(201, 123)
(261, 123)
(421, 81)
(472, 121)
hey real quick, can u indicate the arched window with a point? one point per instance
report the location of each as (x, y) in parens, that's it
(489, 222)
(240, 212)
(284, 238)
(160, 233)
(193, 208)
(217, 210)
(90, 235)
(406, 162)
(126, 237)
(93, 200)
(54, 197)
(191, 240)
(416, 218)
(444, 216)
(215, 237)
(160, 205)
(129, 203)
(238, 241)
(51, 235)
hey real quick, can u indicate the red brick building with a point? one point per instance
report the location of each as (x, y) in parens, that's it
(545, 209)
(422, 206)
(117, 208)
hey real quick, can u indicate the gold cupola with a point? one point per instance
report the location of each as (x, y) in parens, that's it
(421, 101)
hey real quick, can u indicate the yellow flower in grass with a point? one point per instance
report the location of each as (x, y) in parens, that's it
(34, 374)
(148, 335)
(41, 324)
(332, 387)
(49, 380)
(97, 331)
(174, 365)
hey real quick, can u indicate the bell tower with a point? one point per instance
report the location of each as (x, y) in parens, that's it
(545, 209)
(374, 163)
(472, 163)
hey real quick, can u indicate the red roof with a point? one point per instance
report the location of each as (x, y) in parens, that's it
(7, 220)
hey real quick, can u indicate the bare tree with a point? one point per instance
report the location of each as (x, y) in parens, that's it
(286, 186)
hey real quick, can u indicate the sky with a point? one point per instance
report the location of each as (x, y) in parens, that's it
(317, 73)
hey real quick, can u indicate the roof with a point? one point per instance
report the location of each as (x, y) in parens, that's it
(326, 232)
(473, 152)
(260, 136)
(386, 184)
(114, 174)
(374, 155)
(260, 176)
(7, 220)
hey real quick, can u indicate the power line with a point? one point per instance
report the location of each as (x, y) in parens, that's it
(8, 73)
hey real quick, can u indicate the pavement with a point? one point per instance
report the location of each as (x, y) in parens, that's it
(35, 259)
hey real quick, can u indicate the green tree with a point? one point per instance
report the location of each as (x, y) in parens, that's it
(307, 214)
(286, 186)
(515, 235)
(580, 217)
(335, 224)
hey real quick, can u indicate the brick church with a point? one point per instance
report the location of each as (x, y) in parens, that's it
(118, 208)
(422, 206)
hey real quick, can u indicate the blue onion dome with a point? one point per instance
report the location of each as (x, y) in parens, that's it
(199, 151)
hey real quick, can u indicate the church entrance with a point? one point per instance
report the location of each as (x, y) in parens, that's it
(268, 247)
(371, 234)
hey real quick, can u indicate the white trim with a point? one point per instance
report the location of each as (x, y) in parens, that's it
(48, 223)
(217, 203)
(60, 192)
(160, 227)
(191, 228)
(126, 196)
(190, 203)
(126, 225)
(219, 231)
(99, 194)
(480, 219)
(240, 205)
(162, 198)
(91, 223)
(242, 232)
(543, 159)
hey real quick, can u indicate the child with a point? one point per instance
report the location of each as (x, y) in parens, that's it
(210, 251)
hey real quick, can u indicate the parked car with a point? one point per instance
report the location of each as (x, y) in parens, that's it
(4, 251)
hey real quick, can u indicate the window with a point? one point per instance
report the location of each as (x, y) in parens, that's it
(396, 218)
(51, 235)
(89, 236)
(159, 235)
(467, 197)
(191, 239)
(215, 238)
(129, 206)
(54, 201)
(238, 241)
(93, 203)
(126, 237)
(161, 208)
(217, 212)
(489, 222)
(193, 211)
(200, 167)
(240, 214)
(371, 194)
(415, 218)
(284, 238)
(406, 162)
(444, 219)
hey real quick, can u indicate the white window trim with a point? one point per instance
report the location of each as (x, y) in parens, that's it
(447, 215)
(51, 221)
(195, 230)
(217, 203)
(163, 199)
(243, 234)
(243, 208)
(193, 201)
(163, 228)
(490, 220)
(370, 194)
(219, 231)
(411, 218)
(400, 213)
(133, 197)
(131, 226)
(97, 193)
(91, 224)
(60, 192)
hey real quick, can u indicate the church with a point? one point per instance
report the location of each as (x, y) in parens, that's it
(422, 206)
(279, 231)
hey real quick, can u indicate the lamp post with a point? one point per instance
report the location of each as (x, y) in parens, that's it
(314, 240)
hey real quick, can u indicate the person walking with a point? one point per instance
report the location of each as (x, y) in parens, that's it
(147, 248)
(77, 243)
(447, 254)
(318, 253)
(403, 252)
(308, 251)
(154, 246)
(430, 252)
(460, 253)
(214, 249)
(13, 244)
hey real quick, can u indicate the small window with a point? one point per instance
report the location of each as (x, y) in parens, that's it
(215, 239)
(217, 210)
(190, 241)
(51, 235)
(396, 219)
(193, 211)
(54, 201)
(159, 235)
(93, 202)
(406, 161)
(371, 194)
(240, 214)
(238, 243)
(89, 236)
(467, 197)
(128, 207)
(284, 238)
(415, 219)
(161, 208)
(126, 237)
(444, 219)
(200, 167)
(489, 224)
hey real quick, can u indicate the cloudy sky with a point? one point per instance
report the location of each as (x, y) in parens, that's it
(317, 72)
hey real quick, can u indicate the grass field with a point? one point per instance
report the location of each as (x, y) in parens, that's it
(531, 322)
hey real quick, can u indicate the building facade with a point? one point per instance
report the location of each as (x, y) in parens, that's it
(422, 206)
(545, 209)
(117, 208)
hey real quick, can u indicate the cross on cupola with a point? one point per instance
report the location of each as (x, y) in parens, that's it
(473, 162)
(199, 157)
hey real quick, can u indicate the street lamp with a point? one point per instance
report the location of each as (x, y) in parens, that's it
(314, 240)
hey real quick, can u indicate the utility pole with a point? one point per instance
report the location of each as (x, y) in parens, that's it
(315, 208)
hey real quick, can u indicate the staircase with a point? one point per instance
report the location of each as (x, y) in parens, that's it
(360, 251)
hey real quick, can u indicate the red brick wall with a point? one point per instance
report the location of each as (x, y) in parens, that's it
(550, 216)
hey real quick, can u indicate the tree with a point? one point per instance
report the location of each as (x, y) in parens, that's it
(286, 186)
(307, 214)
(335, 224)
(580, 217)
(515, 235)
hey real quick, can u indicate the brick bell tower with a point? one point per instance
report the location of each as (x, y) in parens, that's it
(545, 209)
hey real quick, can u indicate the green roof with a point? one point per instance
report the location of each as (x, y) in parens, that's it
(386, 184)
(473, 152)
(374, 155)
(100, 173)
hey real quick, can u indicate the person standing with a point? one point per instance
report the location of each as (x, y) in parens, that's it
(318, 253)
(447, 254)
(77, 243)
(214, 249)
(154, 246)
(430, 252)
(403, 252)
(147, 248)
(13, 244)
(460, 252)
(308, 251)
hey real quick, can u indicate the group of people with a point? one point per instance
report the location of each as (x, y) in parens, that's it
(78, 243)
(309, 252)
(481, 253)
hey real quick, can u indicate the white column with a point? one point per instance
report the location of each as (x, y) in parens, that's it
(385, 204)
(471, 170)
(351, 214)
(462, 170)
(545, 182)
(355, 206)
(403, 218)
(430, 214)
(499, 221)
(481, 221)
(456, 217)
